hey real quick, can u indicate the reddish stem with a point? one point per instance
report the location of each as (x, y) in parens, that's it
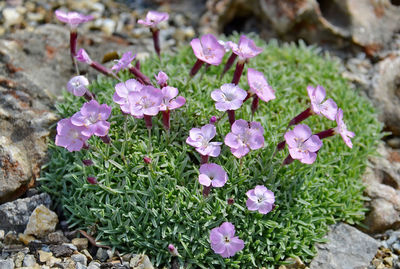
(206, 191)
(204, 159)
(238, 72)
(302, 116)
(106, 139)
(196, 67)
(137, 65)
(73, 36)
(148, 121)
(281, 145)
(326, 133)
(229, 64)
(231, 116)
(254, 104)
(288, 160)
(165, 118)
(140, 76)
(156, 40)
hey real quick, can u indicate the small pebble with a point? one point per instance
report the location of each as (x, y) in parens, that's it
(79, 258)
(44, 256)
(7, 264)
(26, 239)
(29, 261)
(102, 254)
(2, 234)
(80, 243)
(94, 265)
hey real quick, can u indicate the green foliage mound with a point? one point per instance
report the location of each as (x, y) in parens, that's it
(138, 208)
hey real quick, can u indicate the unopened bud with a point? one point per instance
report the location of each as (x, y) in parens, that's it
(92, 180)
(147, 160)
(172, 250)
(87, 162)
(231, 201)
(213, 120)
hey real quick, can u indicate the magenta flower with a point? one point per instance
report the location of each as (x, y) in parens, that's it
(153, 18)
(223, 240)
(122, 91)
(342, 129)
(124, 62)
(169, 101)
(246, 49)
(259, 85)
(78, 85)
(200, 139)
(72, 18)
(93, 117)
(212, 174)
(228, 97)
(147, 101)
(260, 199)
(303, 145)
(162, 79)
(83, 57)
(70, 136)
(208, 50)
(172, 250)
(317, 96)
(244, 136)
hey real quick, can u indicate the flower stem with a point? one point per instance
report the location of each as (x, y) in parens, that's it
(288, 160)
(302, 116)
(166, 119)
(196, 67)
(204, 159)
(156, 41)
(326, 133)
(73, 36)
(254, 104)
(231, 116)
(206, 191)
(238, 72)
(149, 124)
(138, 74)
(228, 64)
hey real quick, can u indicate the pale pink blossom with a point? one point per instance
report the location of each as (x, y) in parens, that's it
(153, 18)
(224, 242)
(145, 102)
(212, 174)
(317, 96)
(246, 49)
(228, 97)
(72, 18)
(122, 91)
(70, 136)
(201, 140)
(342, 129)
(259, 85)
(260, 199)
(207, 49)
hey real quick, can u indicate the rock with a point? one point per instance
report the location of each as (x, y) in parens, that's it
(347, 247)
(7, 264)
(2, 234)
(71, 246)
(52, 261)
(394, 142)
(61, 250)
(57, 238)
(385, 92)
(101, 254)
(80, 266)
(29, 261)
(44, 256)
(11, 238)
(382, 215)
(25, 239)
(18, 259)
(79, 258)
(41, 222)
(140, 262)
(94, 265)
(15, 215)
(11, 16)
(80, 243)
(87, 254)
(68, 263)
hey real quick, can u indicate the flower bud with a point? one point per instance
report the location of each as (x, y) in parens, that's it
(92, 180)
(172, 250)
(87, 162)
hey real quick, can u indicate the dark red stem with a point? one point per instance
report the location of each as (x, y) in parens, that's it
(281, 145)
(254, 104)
(73, 36)
(106, 139)
(137, 65)
(140, 76)
(238, 72)
(148, 121)
(231, 116)
(204, 159)
(165, 119)
(156, 40)
(326, 133)
(206, 191)
(229, 64)
(196, 67)
(88, 95)
(101, 68)
(302, 116)
(288, 160)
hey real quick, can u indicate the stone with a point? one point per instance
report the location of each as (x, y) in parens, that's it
(57, 238)
(18, 259)
(41, 222)
(29, 261)
(87, 254)
(7, 264)
(382, 215)
(141, 262)
(44, 256)
(80, 243)
(347, 247)
(71, 246)
(11, 238)
(385, 92)
(94, 265)
(80, 266)
(52, 261)
(15, 215)
(79, 258)
(11, 16)
(68, 263)
(61, 250)
(101, 254)
(25, 239)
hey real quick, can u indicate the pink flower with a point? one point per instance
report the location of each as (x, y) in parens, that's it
(93, 117)
(259, 85)
(83, 57)
(261, 199)
(228, 45)
(244, 136)
(342, 129)
(212, 174)
(327, 108)
(72, 18)
(200, 139)
(207, 49)
(69, 136)
(162, 79)
(147, 101)
(168, 102)
(246, 49)
(172, 250)
(228, 97)
(153, 18)
(78, 85)
(124, 62)
(302, 144)
(223, 240)
(122, 91)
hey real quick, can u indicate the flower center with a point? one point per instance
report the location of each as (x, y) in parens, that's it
(227, 239)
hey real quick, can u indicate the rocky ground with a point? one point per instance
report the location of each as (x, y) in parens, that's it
(33, 73)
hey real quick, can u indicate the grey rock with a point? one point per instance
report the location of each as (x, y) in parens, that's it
(61, 250)
(2, 234)
(102, 254)
(56, 238)
(140, 262)
(7, 264)
(11, 238)
(29, 261)
(94, 265)
(80, 266)
(79, 258)
(18, 259)
(347, 248)
(15, 215)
